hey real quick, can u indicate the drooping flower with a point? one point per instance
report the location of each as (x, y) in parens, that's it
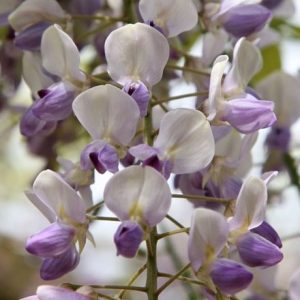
(136, 55)
(144, 204)
(185, 144)
(172, 17)
(110, 116)
(65, 210)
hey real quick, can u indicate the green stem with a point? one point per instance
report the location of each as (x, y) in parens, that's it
(94, 207)
(173, 278)
(169, 233)
(174, 221)
(182, 278)
(99, 218)
(167, 99)
(202, 198)
(151, 283)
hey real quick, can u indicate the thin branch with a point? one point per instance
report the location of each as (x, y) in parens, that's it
(173, 278)
(199, 72)
(202, 198)
(174, 221)
(94, 207)
(181, 278)
(120, 287)
(169, 233)
(100, 218)
(167, 99)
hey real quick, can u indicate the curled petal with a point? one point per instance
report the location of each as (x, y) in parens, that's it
(229, 276)
(208, 236)
(215, 86)
(147, 198)
(107, 113)
(55, 267)
(33, 11)
(173, 16)
(128, 238)
(250, 205)
(247, 61)
(60, 54)
(55, 193)
(136, 52)
(47, 292)
(256, 251)
(185, 139)
(52, 241)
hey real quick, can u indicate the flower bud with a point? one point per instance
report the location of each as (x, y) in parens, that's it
(30, 38)
(256, 251)
(229, 276)
(268, 232)
(52, 241)
(243, 20)
(101, 156)
(55, 104)
(55, 267)
(128, 238)
(140, 93)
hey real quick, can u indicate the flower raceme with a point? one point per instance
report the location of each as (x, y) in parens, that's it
(65, 210)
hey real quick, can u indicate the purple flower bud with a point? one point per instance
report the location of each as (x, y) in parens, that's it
(279, 138)
(101, 156)
(268, 232)
(52, 241)
(55, 104)
(30, 38)
(128, 238)
(256, 251)
(30, 125)
(243, 20)
(248, 114)
(229, 276)
(271, 4)
(55, 267)
(140, 93)
(85, 7)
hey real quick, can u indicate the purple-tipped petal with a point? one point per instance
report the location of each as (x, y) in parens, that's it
(268, 232)
(229, 276)
(101, 156)
(256, 251)
(30, 38)
(56, 103)
(53, 268)
(244, 20)
(128, 238)
(279, 138)
(52, 241)
(248, 114)
(30, 125)
(140, 93)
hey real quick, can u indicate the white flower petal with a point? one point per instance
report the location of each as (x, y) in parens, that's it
(136, 52)
(60, 55)
(250, 205)
(108, 113)
(173, 16)
(247, 61)
(140, 193)
(284, 90)
(34, 11)
(47, 292)
(33, 72)
(294, 286)
(208, 236)
(54, 192)
(215, 86)
(186, 139)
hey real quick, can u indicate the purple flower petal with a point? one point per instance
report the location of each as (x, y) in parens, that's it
(140, 93)
(229, 276)
(244, 20)
(128, 238)
(279, 138)
(256, 251)
(52, 241)
(271, 4)
(56, 104)
(268, 232)
(53, 268)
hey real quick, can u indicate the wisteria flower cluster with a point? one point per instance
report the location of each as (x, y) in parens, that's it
(119, 106)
